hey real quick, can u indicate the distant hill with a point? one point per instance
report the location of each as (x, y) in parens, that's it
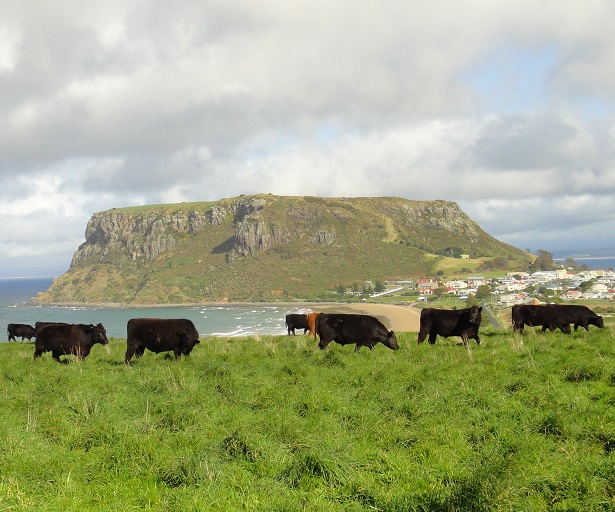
(265, 248)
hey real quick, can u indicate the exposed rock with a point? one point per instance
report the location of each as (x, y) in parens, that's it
(324, 237)
(253, 235)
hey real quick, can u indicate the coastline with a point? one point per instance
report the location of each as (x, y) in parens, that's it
(394, 317)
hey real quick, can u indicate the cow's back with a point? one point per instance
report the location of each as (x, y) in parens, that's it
(345, 328)
(165, 328)
(450, 322)
(160, 335)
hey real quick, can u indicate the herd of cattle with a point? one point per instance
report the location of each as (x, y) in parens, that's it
(155, 334)
(180, 335)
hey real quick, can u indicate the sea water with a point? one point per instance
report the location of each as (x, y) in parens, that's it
(225, 321)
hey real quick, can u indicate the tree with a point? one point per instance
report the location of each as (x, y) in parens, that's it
(483, 292)
(570, 263)
(586, 285)
(379, 286)
(441, 290)
(369, 289)
(543, 261)
(340, 289)
(471, 301)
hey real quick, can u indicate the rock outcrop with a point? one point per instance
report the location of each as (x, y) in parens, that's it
(258, 247)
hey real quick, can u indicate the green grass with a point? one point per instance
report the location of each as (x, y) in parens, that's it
(272, 423)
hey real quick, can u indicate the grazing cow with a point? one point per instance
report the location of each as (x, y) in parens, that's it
(311, 319)
(450, 322)
(363, 330)
(580, 316)
(39, 325)
(23, 330)
(548, 316)
(160, 335)
(63, 339)
(296, 321)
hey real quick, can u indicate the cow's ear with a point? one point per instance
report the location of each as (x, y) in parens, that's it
(480, 309)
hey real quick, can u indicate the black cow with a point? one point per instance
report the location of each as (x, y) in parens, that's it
(63, 339)
(297, 321)
(580, 316)
(548, 316)
(450, 322)
(363, 330)
(40, 325)
(160, 335)
(23, 330)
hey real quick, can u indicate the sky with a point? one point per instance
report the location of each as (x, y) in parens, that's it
(504, 107)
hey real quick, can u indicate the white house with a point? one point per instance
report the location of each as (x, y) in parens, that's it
(476, 281)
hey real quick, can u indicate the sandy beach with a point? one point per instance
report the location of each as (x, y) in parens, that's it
(396, 318)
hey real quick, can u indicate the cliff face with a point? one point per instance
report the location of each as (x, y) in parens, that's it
(258, 247)
(149, 234)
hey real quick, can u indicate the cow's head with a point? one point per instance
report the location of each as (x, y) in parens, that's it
(391, 341)
(98, 334)
(187, 340)
(475, 314)
(599, 322)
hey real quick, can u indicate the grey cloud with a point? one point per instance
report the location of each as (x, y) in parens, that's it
(521, 142)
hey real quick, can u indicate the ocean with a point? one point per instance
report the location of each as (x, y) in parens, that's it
(595, 263)
(225, 321)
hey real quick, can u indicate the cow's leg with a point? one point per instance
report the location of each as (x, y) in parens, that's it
(423, 331)
(56, 355)
(38, 352)
(432, 338)
(130, 352)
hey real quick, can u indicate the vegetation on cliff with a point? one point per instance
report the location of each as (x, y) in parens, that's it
(264, 248)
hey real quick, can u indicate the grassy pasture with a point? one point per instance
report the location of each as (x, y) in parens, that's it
(272, 423)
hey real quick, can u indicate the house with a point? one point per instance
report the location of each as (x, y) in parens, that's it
(427, 288)
(573, 294)
(456, 284)
(599, 288)
(405, 283)
(476, 281)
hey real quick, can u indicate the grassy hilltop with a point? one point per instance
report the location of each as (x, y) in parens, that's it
(266, 248)
(272, 424)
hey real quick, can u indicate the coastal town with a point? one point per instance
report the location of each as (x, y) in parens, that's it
(516, 287)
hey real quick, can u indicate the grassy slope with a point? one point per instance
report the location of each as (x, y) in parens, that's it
(274, 424)
(375, 238)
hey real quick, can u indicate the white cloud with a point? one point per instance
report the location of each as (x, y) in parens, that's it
(505, 108)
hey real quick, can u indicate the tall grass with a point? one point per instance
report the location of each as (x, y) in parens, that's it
(272, 423)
